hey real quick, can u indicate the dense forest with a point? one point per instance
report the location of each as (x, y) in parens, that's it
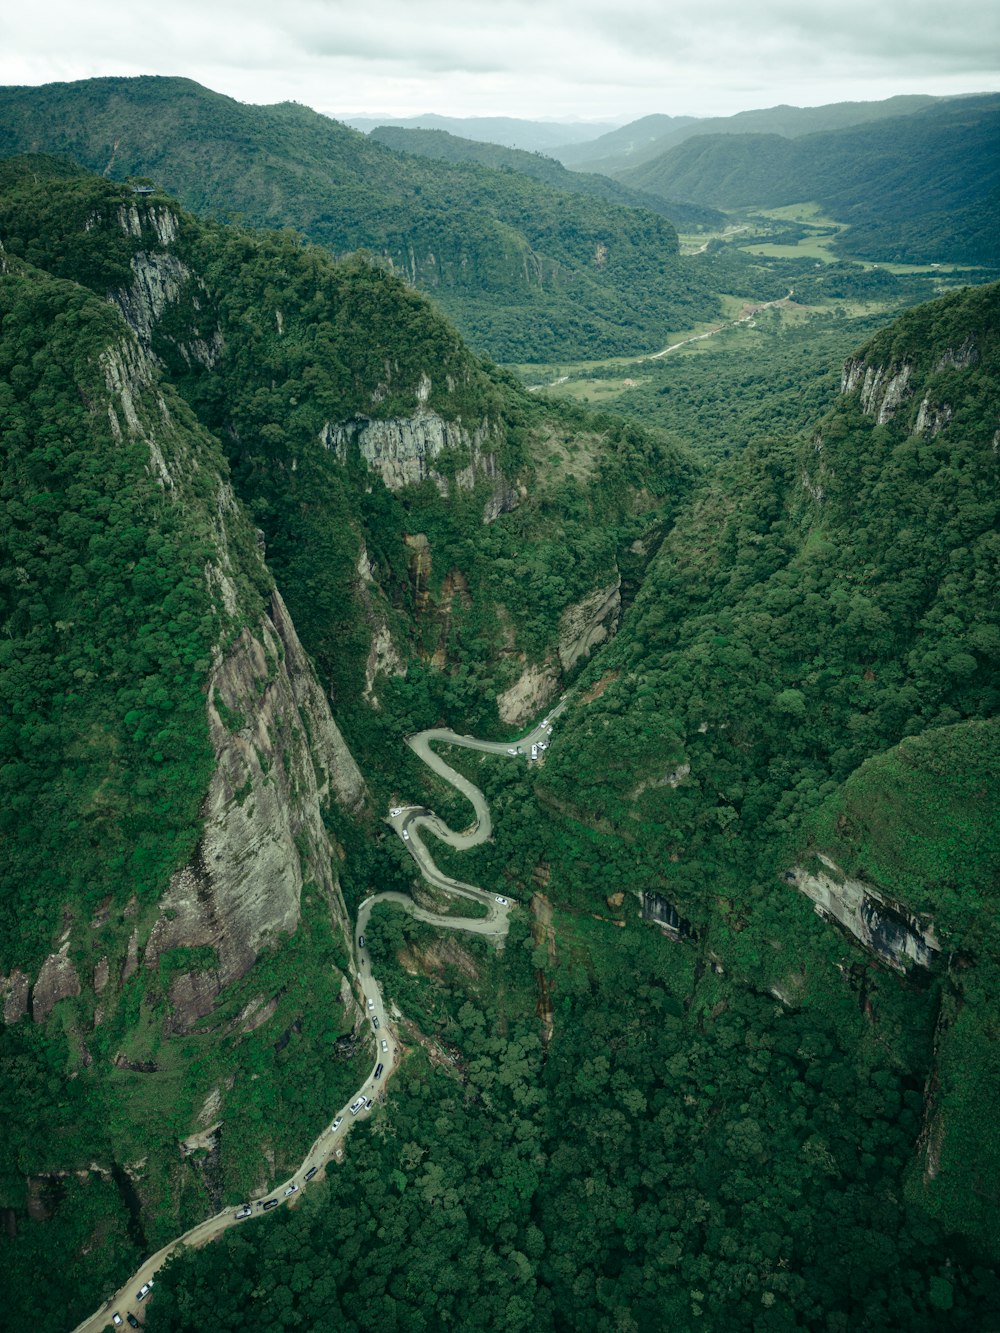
(525, 269)
(677, 1097)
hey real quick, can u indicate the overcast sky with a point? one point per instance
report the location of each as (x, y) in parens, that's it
(539, 59)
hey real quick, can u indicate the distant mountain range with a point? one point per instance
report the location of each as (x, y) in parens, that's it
(531, 135)
(527, 272)
(922, 187)
(647, 138)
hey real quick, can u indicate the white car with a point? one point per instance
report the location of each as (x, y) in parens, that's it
(144, 1290)
(501, 899)
(534, 752)
(512, 750)
(356, 1106)
(116, 1319)
(396, 810)
(406, 835)
(336, 1124)
(292, 1189)
(245, 1211)
(371, 1004)
(384, 1044)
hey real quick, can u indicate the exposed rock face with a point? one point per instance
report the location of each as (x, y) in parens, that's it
(589, 622)
(887, 929)
(101, 974)
(56, 981)
(263, 830)
(883, 388)
(14, 993)
(383, 660)
(931, 419)
(536, 687)
(404, 451)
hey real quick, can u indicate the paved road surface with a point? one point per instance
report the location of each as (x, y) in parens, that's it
(411, 823)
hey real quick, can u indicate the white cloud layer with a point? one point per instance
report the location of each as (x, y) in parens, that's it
(584, 59)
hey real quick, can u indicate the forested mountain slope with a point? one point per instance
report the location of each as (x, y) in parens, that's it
(178, 398)
(646, 139)
(760, 1118)
(923, 187)
(450, 148)
(527, 272)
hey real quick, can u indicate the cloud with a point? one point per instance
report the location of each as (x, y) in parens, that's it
(528, 58)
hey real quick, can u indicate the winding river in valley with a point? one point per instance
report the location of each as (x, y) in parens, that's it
(412, 824)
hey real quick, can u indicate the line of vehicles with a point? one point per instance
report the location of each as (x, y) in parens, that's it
(130, 1318)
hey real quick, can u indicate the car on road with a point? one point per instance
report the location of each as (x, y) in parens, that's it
(384, 1044)
(311, 1172)
(543, 745)
(356, 1106)
(271, 1203)
(502, 900)
(406, 835)
(396, 810)
(378, 1070)
(545, 721)
(375, 1022)
(512, 750)
(361, 941)
(116, 1319)
(131, 1320)
(336, 1124)
(292, 1189)
(245, 1211)
(371, 1004)
(368, 1104)
(144, 1290)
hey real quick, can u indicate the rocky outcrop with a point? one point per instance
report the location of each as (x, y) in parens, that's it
(279, 759)
(883, 388)
(587, 623)
(15, 992)
(534, 689)
(57, 980)
(932, 419)
(895, 935)
(406, 451)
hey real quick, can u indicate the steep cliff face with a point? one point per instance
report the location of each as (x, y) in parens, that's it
(583, 626)
(887, 929)
(405, 451)
(279, 758)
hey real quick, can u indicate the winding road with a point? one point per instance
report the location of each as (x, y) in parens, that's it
(410, 823)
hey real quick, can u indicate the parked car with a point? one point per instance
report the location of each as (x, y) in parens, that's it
(271, 1203)
(406, 835)
(245, 1211)
(131, 1320)
(375, 1022)
(384, 1044)
(357, 1105)
(116, 1319)
(512, 750)
(378, 1070)
(291, 1189)
(502, 899)
(144, 1290)
(361, 941)
(371, 1004)
(311, 1172)
(336, 1124)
